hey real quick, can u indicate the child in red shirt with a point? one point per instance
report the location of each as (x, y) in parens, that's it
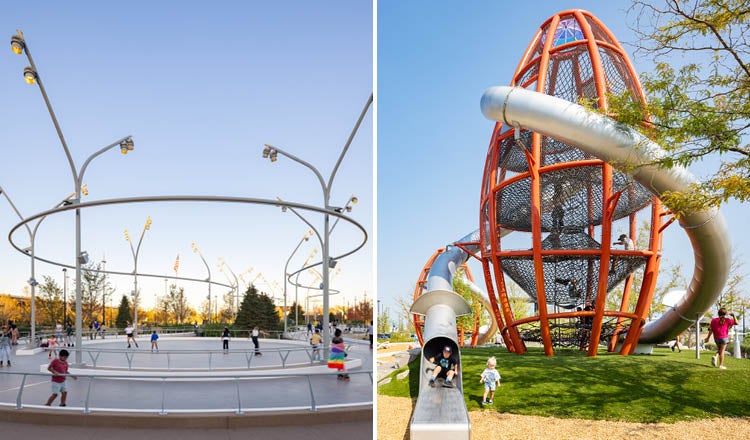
(59, 369)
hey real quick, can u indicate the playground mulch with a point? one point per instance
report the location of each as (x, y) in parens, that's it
(394, 414)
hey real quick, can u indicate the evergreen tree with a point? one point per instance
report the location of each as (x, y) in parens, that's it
(299, 315)
(257, 309)
(123, 313)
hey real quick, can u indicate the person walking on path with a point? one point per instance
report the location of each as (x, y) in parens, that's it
(154, 338)
(256, 333)
(129, 333)
(309, 328)
(720, 329)
(59, 369)
(5, 342)
(491, 378)
(369, 333)
(225, 340)
(338, 355)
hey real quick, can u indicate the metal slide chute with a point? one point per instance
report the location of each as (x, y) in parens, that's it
(625, 148)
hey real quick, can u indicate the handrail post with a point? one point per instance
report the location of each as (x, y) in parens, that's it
(163, 384)
(239, 401)
(210, 356)
(313, 407)
(19, 403)
(86, 409)
(169, 361)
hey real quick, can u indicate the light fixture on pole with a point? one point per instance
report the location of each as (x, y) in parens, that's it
(236, 288)
(197, 251)
(31, 74)
(285, 313)
(326, 187)
(135, 251)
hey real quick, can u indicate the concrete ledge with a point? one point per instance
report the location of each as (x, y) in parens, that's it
(186, 421)
(29, 351)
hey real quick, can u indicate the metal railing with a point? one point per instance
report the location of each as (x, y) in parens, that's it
(321, 380)
(312, 355)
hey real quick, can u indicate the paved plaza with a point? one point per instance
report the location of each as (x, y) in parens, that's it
(191, 380)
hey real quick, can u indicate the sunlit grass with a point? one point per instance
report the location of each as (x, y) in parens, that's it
(661, 387)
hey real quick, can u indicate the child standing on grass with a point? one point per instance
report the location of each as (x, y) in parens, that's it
(490, 377)
(59, 369)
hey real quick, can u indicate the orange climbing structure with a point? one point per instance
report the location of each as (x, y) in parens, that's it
(563, 203)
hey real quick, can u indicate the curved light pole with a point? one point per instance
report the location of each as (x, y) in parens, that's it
(30, 251)
(65, 300)
(104, 293)
(135, 252)
(286, 266)
(296, 289)
(31, 75)
(326, 263)
(197, 251)
(236, 288)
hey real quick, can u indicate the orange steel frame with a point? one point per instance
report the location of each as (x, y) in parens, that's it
(494, 181)
(418, 320)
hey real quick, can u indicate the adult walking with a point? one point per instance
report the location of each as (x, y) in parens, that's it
(720, 329)
(256, 333)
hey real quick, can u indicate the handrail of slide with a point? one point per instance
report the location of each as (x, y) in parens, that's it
(627, 149)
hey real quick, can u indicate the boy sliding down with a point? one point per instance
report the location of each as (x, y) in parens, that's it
(59, 369)
(445, 367)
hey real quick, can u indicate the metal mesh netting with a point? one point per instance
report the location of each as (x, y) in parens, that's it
(598, 32)
(530, 72)
(569, 281)
(570, 332)
(570, 198)
(568, 70)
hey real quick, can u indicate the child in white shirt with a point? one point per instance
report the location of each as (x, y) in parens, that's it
(490, 377)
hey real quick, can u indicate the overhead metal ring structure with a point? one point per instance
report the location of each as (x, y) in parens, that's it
(179, 198)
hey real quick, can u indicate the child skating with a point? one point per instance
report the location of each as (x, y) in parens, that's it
(52, 346)
(59, 369)
(490, 377)
(338, 355)
(154, 339)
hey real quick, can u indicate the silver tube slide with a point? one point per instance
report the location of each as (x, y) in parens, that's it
(484, 299)
(440, 413)
(626, 149)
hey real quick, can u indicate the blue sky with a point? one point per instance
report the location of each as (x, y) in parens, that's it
(201, 87)
(434, 62)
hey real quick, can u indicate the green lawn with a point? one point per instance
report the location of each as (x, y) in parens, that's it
(661, 387)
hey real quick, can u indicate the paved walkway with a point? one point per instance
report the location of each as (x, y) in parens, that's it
(149, 395)
(348, 431)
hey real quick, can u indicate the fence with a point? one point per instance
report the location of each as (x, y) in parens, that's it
(141, 396)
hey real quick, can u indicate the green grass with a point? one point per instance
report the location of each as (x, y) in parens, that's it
(661, 387)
